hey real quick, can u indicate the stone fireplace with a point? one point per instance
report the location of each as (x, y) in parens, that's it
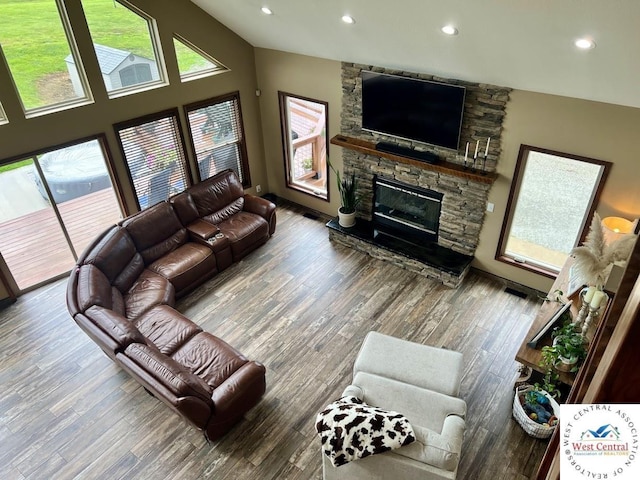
(462, 197)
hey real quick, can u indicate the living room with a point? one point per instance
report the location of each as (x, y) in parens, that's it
(578, 126)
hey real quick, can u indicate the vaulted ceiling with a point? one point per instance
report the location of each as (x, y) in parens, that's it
(523, 44)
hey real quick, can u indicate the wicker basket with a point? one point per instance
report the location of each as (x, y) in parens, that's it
(533, 428)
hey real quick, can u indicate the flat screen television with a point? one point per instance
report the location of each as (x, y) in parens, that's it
(412, 109)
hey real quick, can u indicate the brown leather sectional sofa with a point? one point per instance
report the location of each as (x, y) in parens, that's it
(123, 289)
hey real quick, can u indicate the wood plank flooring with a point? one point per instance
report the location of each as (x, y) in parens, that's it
(300, 305)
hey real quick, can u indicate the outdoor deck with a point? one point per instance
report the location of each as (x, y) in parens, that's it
(34, 246)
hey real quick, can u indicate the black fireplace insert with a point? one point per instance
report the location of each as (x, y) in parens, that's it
(405, 212)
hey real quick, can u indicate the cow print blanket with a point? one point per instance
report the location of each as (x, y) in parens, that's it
(350, 429)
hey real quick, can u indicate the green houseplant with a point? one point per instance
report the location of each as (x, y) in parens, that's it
(566, 354)
(349, 198)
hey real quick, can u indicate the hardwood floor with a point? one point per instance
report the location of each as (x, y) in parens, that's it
(300, 305)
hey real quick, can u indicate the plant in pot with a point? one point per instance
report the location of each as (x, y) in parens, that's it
(349, 198)
(567, 351)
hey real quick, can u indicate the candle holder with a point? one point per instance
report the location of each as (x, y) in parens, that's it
(584, 308)
(484, 164)
(590, 312)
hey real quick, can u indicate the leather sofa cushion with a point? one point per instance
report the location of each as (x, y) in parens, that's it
(245, 231)
(228, 211)
(149, 290)
(219, 196)
(184, 207)
(210, 358)
(93, 288)
(116, 256)
(185, 265)
(177, 379)
(121, 330)
(166, 328)
(156, 231)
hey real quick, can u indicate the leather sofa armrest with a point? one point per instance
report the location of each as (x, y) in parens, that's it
(262, 207)
(196, 409)
(249, 378)
(202, 230)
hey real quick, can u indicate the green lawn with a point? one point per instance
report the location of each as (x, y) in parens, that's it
(13, 166)
(35, 45)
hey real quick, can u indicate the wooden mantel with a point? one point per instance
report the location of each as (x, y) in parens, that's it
(363, 146)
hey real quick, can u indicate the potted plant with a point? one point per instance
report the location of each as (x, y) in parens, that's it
(567, 351)
(349, 198)
(307, 164)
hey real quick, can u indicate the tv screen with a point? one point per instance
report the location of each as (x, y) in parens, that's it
(413, 109)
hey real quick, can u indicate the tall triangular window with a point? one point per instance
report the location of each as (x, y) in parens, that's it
(3, 116)
(39, 47)
(194, 63)
(125, 40)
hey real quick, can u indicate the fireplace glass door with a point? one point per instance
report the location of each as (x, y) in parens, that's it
(406, 212)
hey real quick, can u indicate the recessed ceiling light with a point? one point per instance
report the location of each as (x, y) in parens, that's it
(266, 11)
(348, 19)
(449, 30)
(585, 44)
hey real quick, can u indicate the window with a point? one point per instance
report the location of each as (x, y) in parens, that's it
(552, 199)
(3, 116)
(39, 49)
(154, 152)
(304, 136)
(54, 204)
(194, 63)
(126, 45)
(217, 136)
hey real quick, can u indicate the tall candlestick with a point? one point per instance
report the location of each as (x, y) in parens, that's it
(466, 152)
(486, 152)
(597, 299)
(589, 295)
(475, 155)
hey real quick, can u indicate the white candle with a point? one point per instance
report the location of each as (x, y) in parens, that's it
(475, 155)
(486, 152)
(597, 299)
(589, 295)
(466, 152)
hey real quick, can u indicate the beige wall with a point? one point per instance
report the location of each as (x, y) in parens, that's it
(603, 131)
(308, 77)
(597, 130)
(591, 129)
(22, 135)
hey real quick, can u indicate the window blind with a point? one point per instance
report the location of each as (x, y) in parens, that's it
(216, 132)
(154, 154)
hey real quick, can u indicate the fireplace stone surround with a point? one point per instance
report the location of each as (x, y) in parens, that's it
(464, 200)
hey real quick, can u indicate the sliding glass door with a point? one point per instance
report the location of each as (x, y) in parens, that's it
(51, 206)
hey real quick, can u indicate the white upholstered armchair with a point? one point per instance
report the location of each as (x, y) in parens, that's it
(422, 383)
